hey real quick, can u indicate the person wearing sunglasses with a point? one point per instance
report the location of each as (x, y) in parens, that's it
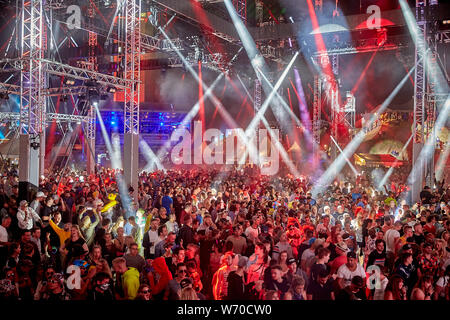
(9, 287)
(173, 288)
(144, 292)
(49, 271)
(55, 290)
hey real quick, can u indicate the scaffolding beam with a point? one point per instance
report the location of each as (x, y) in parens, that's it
(317, 109)
(32, 101)
(131, 104)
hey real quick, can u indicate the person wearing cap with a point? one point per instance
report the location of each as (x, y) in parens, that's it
(353, 291)
(236, 281)
(36, 204)
(26, 216)
(294, 271)
(347, 271)
(338, 214)
(187, 292)
(341, 250)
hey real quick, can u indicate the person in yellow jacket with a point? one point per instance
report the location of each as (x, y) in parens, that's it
(63, 234)
(129, 278)
(148, 218)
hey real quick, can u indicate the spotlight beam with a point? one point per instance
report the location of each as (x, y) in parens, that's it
(345, 157)
(116, 162)
(391, 169)
(224, 113)
(187, 119)
(272, 94)
(281, 149)
(429, 146)
(416, 33)
(245, 89)
(150, 156)
(329, 175)
(256, 59)
(304, 114)
(289, 111)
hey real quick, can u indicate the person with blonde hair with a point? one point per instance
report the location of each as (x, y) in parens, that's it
(75, 241)
(127, 279)
(87, 225)
(188, 293)
(97, 259)
(119, 242)
(271, 295)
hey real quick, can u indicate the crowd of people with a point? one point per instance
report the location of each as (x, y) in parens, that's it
(223, 235)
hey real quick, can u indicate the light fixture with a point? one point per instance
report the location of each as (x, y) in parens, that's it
(111, 90)
(69, 81)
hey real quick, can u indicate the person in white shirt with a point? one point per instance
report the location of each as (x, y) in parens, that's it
(347, 271)
(4, 239)
(151, 238)
(36, 204)
(390, 237)
(252, 232)
(6, 222)
(26, 216)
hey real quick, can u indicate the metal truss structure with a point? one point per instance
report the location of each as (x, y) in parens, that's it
(132, 65)
(349, 112)
(150, 43)
(50, 92)
(257, 96)
(424, 92)
(317, 108)
(241, 9)
(61, 69)
(212, 61)
(92, 41)
(32, 103)
(259, 12)
(50, 117)
(419, 75)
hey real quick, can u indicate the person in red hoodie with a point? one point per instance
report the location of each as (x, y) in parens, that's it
(158, 266)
